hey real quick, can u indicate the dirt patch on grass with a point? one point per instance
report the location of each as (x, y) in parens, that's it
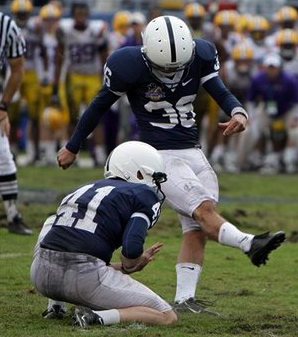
(293, 237)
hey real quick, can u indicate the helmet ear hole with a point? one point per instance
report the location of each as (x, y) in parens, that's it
(139, 175)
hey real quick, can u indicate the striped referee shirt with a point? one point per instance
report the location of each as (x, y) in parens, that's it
(12, 43)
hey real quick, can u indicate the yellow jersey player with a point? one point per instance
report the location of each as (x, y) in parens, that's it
(258, 28)
(82, 49)
(54, 118)
(30, 88)
(285, 18)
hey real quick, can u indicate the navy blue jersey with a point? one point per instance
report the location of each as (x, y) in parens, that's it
(99, 217)
(164, 113)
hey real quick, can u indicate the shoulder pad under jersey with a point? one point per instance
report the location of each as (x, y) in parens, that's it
(205, 50)
(126, 64)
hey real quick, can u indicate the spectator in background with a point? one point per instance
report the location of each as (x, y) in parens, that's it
(274, 92)
(287, 43)
(134, 34)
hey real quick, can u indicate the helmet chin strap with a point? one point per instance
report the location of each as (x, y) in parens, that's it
(159, 178)
(163, 77)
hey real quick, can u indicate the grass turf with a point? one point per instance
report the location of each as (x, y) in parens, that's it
(252, 301)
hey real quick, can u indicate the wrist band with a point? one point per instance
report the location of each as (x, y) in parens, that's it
(239, 111)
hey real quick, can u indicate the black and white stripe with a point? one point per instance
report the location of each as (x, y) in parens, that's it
(12, 43)
(171, 38)
(8, 186)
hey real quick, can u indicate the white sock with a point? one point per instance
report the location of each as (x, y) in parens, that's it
(11, 209)
(290, 155)
(49, 149)
(109, 317)
(187, 278)
(100, 154)
(30, 149)
(229, 235)
(53, 302)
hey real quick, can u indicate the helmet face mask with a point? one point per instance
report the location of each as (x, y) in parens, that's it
(170, 68)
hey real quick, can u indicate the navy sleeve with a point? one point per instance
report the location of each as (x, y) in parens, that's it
(134, 237)
(222, 95)
(208, 56)
(89, 120)
(121, 71)
(147, 203)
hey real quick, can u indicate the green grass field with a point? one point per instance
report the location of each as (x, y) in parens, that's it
(252, 301)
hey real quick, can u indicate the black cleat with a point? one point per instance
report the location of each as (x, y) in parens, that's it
(84, 317)
(17, 226)
(55, 312)
(262, 245)
(195, 306)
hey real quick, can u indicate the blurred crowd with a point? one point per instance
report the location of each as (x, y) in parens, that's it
(64, 70)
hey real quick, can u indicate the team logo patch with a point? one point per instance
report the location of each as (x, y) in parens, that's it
(154, 92)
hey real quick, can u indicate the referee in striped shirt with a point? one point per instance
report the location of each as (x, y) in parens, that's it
(12, 49)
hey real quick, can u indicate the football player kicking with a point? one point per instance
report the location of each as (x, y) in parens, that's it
(161, 80)
(72, 257)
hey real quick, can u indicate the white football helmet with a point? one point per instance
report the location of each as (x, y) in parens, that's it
(136, 162)
(167, 44)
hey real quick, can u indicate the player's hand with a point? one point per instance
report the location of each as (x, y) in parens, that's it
(4, 123)
(65, 158)
(148, 256)
(236, 124)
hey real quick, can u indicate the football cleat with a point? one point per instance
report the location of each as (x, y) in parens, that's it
(262, 245)
(55, 312)
(195, 306)
(84, 317)
(17, 226)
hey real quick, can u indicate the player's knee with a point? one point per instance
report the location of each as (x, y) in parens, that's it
(204, 211)
(169, 317)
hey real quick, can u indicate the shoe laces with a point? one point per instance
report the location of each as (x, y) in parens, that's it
(201, 302)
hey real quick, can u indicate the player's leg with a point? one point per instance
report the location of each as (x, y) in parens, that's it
(84, 316)
(31, 93)
(190, 260)
(125, 299)
(75, 99)
(290, 154)
(257, 247)
(47, 136)
(55, 309)
(9, 189)
(182, 191)
(87, 281)
(278, 137)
